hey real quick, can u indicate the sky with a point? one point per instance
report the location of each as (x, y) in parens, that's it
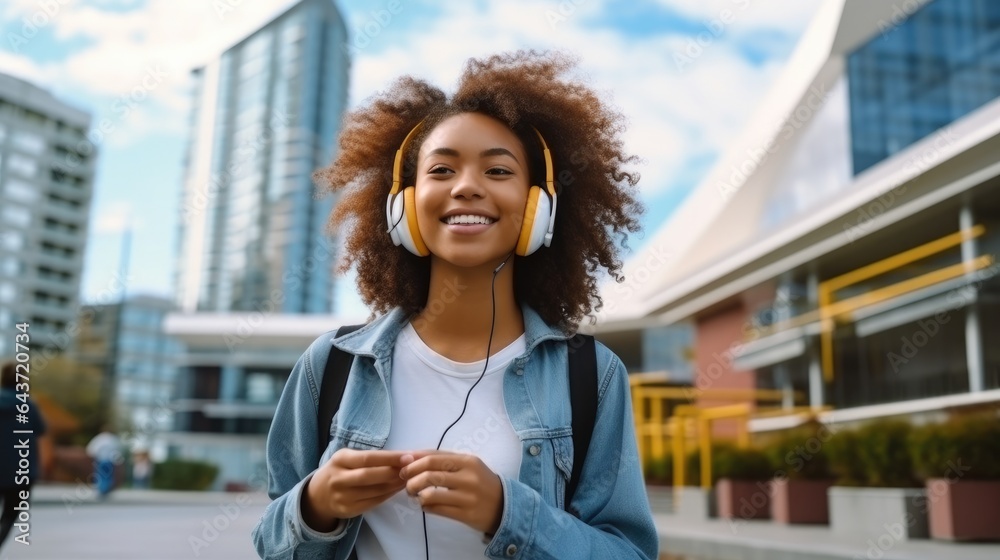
(686, 73)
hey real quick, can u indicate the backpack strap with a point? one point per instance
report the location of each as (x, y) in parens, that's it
(583, 399)
(338, 367)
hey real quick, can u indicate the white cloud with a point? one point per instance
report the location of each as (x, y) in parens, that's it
(137, 61)
(674, 114)
(785, 15)
(116, 217)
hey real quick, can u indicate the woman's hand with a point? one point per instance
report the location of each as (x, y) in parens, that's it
(349, 484)
(457, 486)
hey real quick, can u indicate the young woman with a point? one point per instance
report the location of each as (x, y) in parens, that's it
(478, 246)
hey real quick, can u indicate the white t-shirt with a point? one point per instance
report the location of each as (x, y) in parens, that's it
(427, 393)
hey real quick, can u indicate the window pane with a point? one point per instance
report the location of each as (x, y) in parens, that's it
(31, 143)
(15, 215)
(20, 191)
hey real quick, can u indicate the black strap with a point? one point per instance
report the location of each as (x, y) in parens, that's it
(582, 370)
(583, 399)
(331, 392)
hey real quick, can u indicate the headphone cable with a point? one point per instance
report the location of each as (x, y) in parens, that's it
(493, 321)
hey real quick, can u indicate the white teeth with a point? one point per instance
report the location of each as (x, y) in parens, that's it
(468, 219)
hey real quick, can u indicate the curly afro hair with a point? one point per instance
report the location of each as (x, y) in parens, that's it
(525, 89)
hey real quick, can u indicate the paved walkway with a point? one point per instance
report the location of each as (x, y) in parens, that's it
(714, 539)
(718, 539)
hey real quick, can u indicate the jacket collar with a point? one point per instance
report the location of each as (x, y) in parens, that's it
(376, 339)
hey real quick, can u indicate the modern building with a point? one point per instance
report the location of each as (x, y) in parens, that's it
(843, 251)
(126, 341)
(265, 115)
(254, 277)
(46, 180)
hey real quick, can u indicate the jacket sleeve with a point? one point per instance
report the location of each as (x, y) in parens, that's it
(615, 520)
(292, 457)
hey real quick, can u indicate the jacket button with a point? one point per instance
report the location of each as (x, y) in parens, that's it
(534, 450)
(511, 550)
(520, 371)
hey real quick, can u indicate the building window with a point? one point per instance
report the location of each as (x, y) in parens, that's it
(15, 215)
(28, 142)
(9, 266)
(20, 191)
(22, 165)
(11, 240)
(922, 75)
(7, 292)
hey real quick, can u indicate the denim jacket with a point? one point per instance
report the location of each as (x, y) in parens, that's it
(609, 517)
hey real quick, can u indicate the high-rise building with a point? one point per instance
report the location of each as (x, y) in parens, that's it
(255, 268)
(265, 115)
(46, 179)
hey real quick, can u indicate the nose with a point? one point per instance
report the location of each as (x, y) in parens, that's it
(468, 186)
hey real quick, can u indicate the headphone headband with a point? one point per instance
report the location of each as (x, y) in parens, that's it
(397, 165)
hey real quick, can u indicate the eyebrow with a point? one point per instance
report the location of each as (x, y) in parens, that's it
(485, 153)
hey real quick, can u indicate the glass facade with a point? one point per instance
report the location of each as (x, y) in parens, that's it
(281, 93)
(913, 79)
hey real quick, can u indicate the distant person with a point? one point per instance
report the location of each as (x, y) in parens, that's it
(13, 479)
(105, 449)
(142, 468)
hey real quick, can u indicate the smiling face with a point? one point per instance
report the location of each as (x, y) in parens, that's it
(471, 190)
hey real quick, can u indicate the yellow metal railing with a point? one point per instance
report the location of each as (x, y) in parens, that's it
(666, 412)
(655, 410)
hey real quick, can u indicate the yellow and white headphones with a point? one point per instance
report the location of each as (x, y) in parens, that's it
(536, 228)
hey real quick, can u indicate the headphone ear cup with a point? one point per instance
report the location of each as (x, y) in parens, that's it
(394, 214)
(535, 222)
(409, 232)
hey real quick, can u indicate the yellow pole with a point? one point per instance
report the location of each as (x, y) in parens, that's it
(656, 419)
(680, 433)
(638, 394)
(705, 438)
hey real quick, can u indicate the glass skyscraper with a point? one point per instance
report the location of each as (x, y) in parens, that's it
(265, 115)
(919, 76)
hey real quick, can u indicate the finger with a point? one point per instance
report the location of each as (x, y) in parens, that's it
(357, 459)
(380, 492)
(421, 453)
(365, 492)
(440, 495)
(430, 479)
(448, 462)
(368, 476)
(369, 502)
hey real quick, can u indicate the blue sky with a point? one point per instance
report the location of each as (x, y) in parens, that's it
(687, 74)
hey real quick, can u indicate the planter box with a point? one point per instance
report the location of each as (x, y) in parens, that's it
(743, 499)
(800, 501)
(694, 502)
(881, 514)
(964, 510)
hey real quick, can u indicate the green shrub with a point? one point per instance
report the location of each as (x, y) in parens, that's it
(844, 459)
(729, 461)
(179, 474)
(741, 464)
(885, 454)
(660, 471)
(801, 454)
(963, 448)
